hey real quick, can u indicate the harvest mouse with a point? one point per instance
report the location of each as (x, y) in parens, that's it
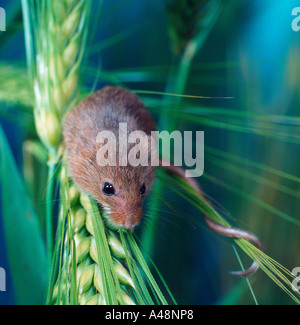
(120, 189)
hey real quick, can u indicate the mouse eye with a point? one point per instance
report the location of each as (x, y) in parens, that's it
(143, 189)
(108, 189)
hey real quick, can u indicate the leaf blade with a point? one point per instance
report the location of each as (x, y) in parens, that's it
(26, 251)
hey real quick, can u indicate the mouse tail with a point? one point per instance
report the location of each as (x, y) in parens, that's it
(218, 228)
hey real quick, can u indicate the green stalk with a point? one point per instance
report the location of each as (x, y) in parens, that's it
(49, 212)
(55, 34)
(167, 120)
(246, 279)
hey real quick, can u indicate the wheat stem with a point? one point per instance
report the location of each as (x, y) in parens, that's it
(49, 212)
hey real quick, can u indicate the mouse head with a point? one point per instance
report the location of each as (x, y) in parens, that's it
(123, 188)
(120, 190)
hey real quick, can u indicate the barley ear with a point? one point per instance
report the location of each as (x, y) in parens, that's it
(87, 257)
(60, 31)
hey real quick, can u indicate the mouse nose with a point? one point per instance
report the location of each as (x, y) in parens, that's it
(128, 225)
(132, 218)
(126, 218)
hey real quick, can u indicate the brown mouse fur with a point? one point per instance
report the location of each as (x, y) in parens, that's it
(104, 110)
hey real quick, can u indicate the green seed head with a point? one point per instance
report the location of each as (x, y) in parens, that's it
(86, 279)
(73, 194)
(78, 219)
(82, 250)
(98, 280)
(71, 24)
(116, 247)
(123, 274)
(95, 300)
